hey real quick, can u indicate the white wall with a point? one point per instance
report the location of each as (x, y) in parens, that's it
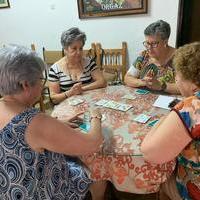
(42, 21)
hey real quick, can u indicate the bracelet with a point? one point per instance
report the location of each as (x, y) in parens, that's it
(66, 96)
(95, 117)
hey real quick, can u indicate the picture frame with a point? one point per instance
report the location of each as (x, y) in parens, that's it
(104, 8)
(4, 4)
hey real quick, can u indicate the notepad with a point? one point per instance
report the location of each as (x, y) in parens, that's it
(163, 101)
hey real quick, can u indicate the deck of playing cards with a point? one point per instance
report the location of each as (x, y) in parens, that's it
(113, 105)
(140, 91)
(117, 106)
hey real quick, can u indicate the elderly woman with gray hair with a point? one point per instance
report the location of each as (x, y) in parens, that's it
(153, 67)
(33, 146)
(73, 73)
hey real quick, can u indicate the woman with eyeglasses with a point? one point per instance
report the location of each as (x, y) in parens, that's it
(35, 149)
(153, 67)
(74, 73)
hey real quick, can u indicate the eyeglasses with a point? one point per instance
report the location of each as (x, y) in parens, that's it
(44, 79)
(151, 44)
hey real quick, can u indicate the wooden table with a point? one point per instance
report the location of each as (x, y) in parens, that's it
(121, 160)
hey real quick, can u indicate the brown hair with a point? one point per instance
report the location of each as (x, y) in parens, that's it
(187, 62)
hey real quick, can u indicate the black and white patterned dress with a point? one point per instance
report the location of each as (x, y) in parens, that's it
(26, 174)
(65, 80)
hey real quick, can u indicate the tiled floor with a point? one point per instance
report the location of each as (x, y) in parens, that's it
(113, 194)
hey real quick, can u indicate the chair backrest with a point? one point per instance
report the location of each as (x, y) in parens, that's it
(41, 100)
(113, 60)
(91, 53)
(52, 56)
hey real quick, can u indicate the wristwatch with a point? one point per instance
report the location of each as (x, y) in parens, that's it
(96, 116)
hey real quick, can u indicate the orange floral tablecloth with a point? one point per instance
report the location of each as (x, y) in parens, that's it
(120, 160)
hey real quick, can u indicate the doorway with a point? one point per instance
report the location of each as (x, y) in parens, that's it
(188, 29)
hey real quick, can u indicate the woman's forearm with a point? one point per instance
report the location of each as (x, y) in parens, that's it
(134, 82)
(172, 89)
(95, 85)
(57, 98)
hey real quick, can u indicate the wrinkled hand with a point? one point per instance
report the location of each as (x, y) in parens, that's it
(153, 83)
(76, 89)
(95, 112)
(73, 121)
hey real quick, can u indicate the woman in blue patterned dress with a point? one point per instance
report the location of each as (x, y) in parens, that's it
(33, 146)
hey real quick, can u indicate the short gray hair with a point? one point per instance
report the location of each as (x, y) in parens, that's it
(72, 35)
(17, 63)
(160, 28)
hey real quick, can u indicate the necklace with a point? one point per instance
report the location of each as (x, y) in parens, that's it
(74, 70)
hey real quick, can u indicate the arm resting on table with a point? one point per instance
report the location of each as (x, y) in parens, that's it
(45, 132)
(132, 81)
(164, 142)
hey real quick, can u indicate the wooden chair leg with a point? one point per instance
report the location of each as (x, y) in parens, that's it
(42, 106)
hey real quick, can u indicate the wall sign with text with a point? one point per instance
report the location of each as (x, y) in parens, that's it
(103, 8)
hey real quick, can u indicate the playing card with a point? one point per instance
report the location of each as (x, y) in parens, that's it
(140, 91)
(101, 102)
(117, 106)
(85, 127)
(129, 96)
(74, 102)
(152, 123)
(142, 118)
(111, 104)
(123, 107)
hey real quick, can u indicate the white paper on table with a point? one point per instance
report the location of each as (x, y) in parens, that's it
(163, 101)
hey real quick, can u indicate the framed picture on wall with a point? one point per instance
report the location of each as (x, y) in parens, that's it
(103, 8)
(4, 4)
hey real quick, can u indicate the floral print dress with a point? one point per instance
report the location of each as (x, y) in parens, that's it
(26, 174)
(188, 170)
(143, 64)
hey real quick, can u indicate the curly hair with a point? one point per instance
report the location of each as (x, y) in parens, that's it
(187, 62)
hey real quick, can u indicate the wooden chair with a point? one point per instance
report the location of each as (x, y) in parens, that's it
(91, 53)
(113, 62)
(42, 97)
(52, 56)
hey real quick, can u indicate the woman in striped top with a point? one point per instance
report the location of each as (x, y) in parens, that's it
(73, 74)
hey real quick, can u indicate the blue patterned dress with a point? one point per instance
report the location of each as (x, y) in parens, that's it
(26, 174)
